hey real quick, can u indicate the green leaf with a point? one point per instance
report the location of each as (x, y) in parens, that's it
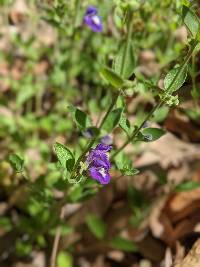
(125, 124)
(191, 20)
(180, 79)
(81, 119)
(161, 113)
(152, 134)
(23, 248)
(123, 244)
(64, 156)
(122, 161)
(187, 186)
(129, 171)
(16, 162)
(64, 259)
(113, 119)
(96, 226)
(111, 77)
(124, 66)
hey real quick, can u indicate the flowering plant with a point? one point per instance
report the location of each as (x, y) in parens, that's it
(121, 67)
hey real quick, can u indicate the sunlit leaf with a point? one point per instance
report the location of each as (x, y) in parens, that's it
(124, 63)
(173, 81)
(111, 77)
(112, 120)
(65, 156)
(191, 21)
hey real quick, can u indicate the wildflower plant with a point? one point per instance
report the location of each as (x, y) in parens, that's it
(95, 155)
(92, 161)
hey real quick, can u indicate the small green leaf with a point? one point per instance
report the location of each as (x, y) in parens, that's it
(129, 171)
(81, 119)
(112, 120)
(16, 162)
(64, 156)
(123, 244)
(64, 259)
(124, 66)
(161, 113)
(191, 21)
(125, 124)
(180, 79)
(96, 226)
(152, 134)
(111, 77)
(187, 186)
(122, 161)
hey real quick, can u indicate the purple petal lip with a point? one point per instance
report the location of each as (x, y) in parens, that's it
(92, 19)
(99, 164)
(91, 10)
(100, 174)
(103, 147)
(98, 159)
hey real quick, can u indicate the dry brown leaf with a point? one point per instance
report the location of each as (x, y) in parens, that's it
(193, 257)
(168, 151)
(155, 224)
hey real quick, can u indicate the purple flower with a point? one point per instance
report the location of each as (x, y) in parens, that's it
(99, 164)
(92, 19)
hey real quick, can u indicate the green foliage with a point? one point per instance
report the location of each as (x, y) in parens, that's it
(23, 248)
(124, 62)
(52, 60)
(65, 156)
(16, 162)
(111, 77)
(96, 226)
(81, 119)
(129, 171)
(152, 134)
(123, 244)
(175, 79)
(125, 124)
(191, 21)
(187, 186)
(112, 120)
(64, 259)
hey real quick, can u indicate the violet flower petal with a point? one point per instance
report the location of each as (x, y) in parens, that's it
(92, 19)
(100, 174)
(103, 147)
(91, 10)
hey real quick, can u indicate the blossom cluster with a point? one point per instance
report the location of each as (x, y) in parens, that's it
(99, 164)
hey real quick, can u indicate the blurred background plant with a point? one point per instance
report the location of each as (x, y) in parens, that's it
(50, 60)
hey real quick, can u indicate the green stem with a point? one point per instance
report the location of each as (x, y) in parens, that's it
(77, 7)
(159, 104)
(90, 144)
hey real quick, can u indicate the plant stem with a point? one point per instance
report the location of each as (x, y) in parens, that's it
(159, 104)
(90, 144)
(135, 133)
(56, 242)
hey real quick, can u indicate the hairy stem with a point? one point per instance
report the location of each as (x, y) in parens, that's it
(90, 144)
(159, 104)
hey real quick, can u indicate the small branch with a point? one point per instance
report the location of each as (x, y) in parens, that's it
(56, 242)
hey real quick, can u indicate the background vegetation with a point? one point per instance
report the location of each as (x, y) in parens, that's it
(50, 60)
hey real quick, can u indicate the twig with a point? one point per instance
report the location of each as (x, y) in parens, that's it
(56, 242)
